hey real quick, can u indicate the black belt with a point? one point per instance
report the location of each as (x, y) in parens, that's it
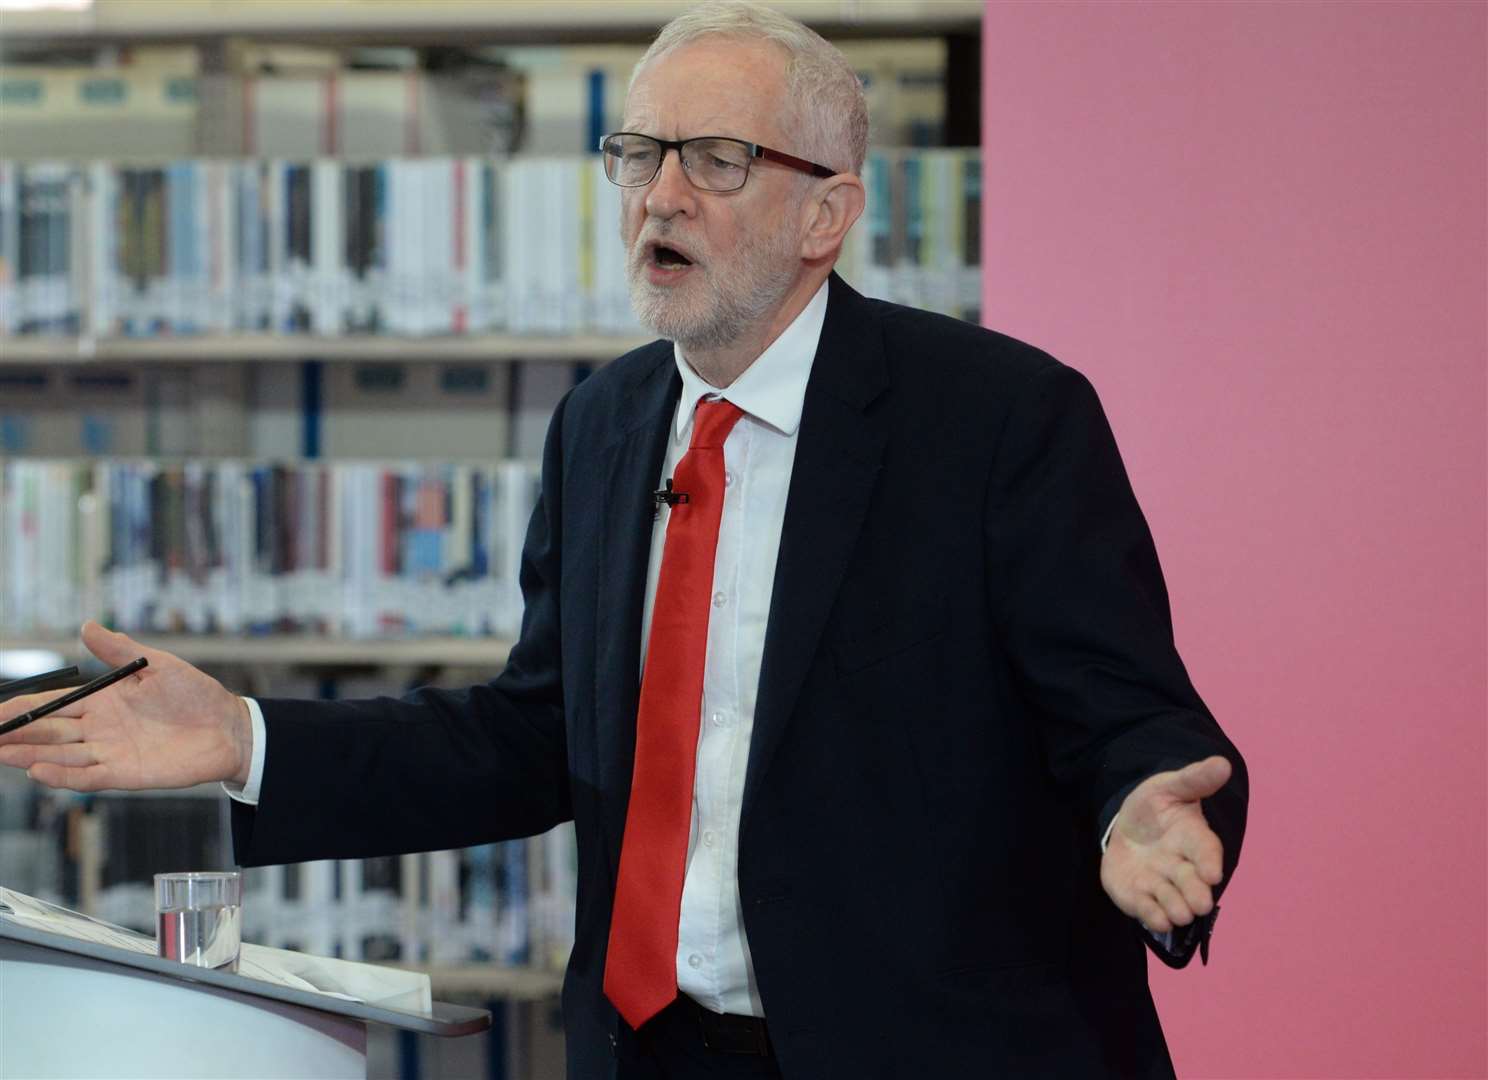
(727, 1033)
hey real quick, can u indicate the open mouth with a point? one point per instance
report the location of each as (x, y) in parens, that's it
(669, 258)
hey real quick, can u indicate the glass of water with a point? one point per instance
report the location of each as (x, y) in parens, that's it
(199, 918)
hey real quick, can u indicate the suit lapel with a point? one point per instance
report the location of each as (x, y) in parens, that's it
(633, 463)
(837, 462)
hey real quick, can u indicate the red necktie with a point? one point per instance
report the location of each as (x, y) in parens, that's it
(641, 965)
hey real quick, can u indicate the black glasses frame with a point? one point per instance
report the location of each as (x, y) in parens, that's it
(755, 150)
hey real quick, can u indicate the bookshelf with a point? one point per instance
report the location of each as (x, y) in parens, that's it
(912, 250)
(468, 258)
(442, 20)
(250, 348)
(301, 649)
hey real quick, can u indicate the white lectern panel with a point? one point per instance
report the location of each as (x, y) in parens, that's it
(76, 1017)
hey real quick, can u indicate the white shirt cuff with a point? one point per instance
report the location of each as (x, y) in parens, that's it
(248, 793)
(1106, 839)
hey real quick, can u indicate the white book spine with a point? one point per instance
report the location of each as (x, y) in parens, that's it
(329, 242)
(330, 574)
(280, 281)
(569, 314)
(55, 515)
(433, 236)
(199, 295)
(551, 257)
(409, 255)
(419, 223)
(93, 533)
(514, 236)
(396, 210)
(102, 249)
(10, 231)
(216, 314)
(444, 299)
(497, 277)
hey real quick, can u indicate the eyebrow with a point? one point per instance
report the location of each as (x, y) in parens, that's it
(714, 125)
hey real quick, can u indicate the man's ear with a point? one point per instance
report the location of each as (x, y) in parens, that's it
(831, 212)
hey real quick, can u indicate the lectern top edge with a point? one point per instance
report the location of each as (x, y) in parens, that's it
(446, 1019)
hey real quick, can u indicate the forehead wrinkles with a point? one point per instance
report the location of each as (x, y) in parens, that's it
(711, 87)
(644, 114)
(640, 111)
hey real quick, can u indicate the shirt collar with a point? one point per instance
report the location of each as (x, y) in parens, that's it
(773, 388)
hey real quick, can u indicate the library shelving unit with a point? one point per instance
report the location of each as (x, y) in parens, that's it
(254, 347)
(525, 21)
(301, 649)
(214, 27)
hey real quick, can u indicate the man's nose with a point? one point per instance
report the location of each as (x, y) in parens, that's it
(670, 193)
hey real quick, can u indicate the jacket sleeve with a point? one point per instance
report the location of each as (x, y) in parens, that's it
(434, 769)
(1084, 614)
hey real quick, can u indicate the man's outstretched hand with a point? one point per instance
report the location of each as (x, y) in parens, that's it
(167, 726)
(1163, 860)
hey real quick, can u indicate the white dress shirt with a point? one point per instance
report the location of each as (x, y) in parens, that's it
(713, 964)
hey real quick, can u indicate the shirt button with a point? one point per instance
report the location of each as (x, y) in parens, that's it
(719, 599)
(694, 961)
(708, 838)
(728, 479)
(720, 719)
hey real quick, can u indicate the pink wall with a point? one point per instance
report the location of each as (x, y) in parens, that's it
(1260, 230)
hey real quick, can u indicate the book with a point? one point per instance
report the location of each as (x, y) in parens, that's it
(350, 549)
(413, 247)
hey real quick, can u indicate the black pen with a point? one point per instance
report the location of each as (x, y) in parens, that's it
(81, 692)
(47, 680)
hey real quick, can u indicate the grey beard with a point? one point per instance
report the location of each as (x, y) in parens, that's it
(737, 299)
(724, 319)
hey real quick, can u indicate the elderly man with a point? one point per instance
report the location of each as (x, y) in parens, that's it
(845, 648)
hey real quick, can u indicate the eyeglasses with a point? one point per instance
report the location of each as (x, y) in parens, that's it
(712, 162)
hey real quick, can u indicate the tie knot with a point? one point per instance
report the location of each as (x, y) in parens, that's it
(712, 422)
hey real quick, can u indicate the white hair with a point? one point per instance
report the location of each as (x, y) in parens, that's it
(823, 98)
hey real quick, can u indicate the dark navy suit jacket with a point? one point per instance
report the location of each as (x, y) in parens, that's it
(969, 661)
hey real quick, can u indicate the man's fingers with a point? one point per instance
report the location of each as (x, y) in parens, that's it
(1152, 916)
(23, 757)
(9, 710)
(50, 729)
(1171, 901)
(1206, 852)
(1167, 879)
(1196, 893)
(87, 778)
(116, 649)
(20, 757)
